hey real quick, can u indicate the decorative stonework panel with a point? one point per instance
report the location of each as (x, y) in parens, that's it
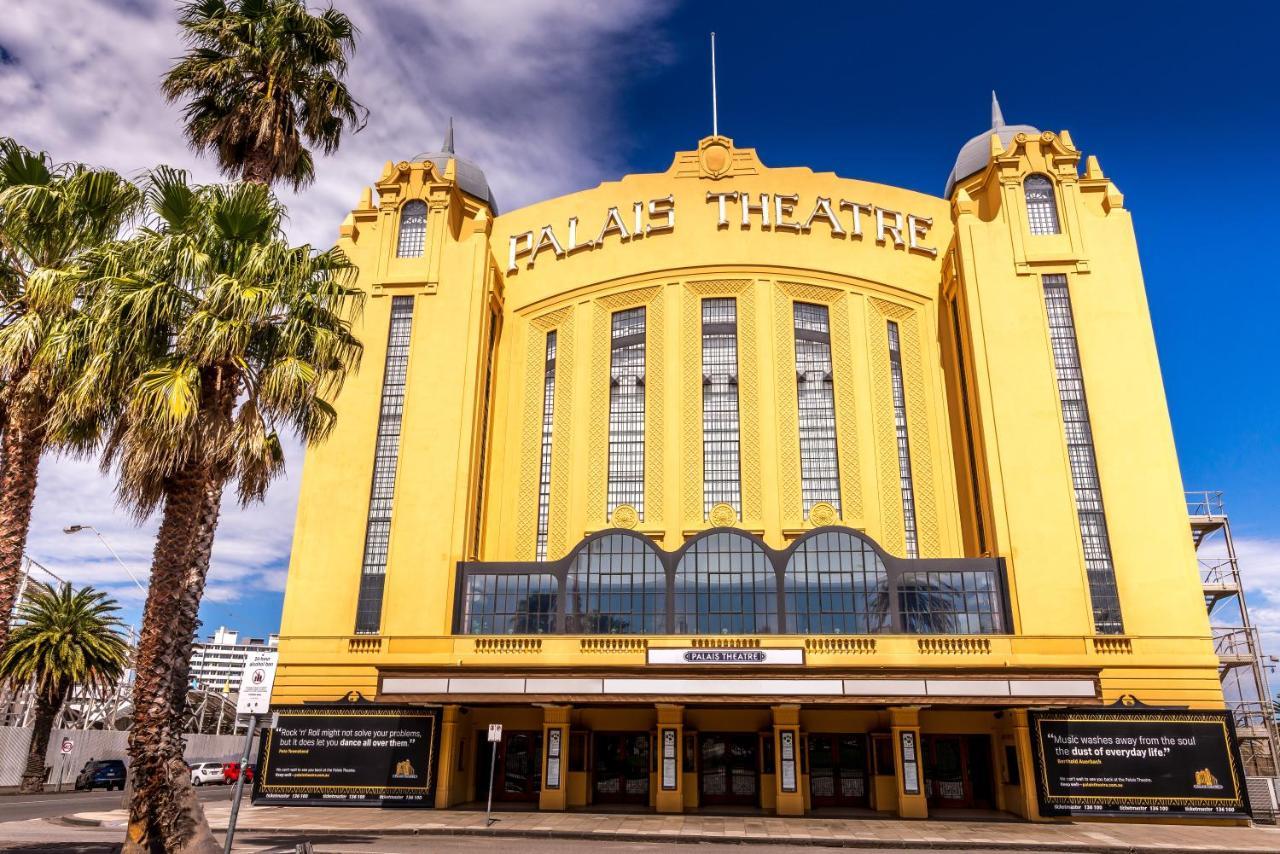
(891, 537)
(837, 302)
(531, 429)
(691, 488)
(598, 439)
(562, 441)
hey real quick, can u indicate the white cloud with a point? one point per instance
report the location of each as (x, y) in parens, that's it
(530, 86)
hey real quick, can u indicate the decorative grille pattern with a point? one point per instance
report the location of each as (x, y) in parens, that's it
(413, 230)
(511, 604)
(725, 584)
(1042, 208)
(911, 541)
(721, 471)
(616, 585)
(544, 458)
(836, 584)
(385, 457)
(1084, 465)
(815, 397)
(626, 411)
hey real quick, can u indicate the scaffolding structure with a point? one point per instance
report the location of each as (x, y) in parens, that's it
(1242, 666)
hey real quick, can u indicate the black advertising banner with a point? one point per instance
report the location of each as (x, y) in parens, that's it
(358, 755)
(1146, 762)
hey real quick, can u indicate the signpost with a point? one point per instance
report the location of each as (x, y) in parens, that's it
(65, 749)
(495, 736)
(254, 699)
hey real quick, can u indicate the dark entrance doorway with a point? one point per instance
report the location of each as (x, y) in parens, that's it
(838, 770)
(728, 773)
(620, 767)
(957, 771)
(517, 774)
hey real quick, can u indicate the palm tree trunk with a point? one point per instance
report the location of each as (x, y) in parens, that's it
(164, 815)
(20, 449)
(257, 167)
(46, 710)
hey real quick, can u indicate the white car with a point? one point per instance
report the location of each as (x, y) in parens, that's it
(207, 772)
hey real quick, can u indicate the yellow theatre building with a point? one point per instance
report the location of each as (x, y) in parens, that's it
(742, 486)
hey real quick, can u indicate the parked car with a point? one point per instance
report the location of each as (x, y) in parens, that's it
(231, 771)
(207, 772)
(102, 774)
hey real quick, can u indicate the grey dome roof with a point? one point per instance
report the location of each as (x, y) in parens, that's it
(471, 178)
(975, 153)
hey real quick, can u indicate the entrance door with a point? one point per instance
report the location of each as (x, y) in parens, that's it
(517, 770)
(728, 773)
(957, 771)
(838, 770)
(621, 767)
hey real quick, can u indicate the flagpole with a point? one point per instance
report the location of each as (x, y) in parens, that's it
(714, 110)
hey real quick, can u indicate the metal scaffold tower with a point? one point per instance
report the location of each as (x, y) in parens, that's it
(1241, 664)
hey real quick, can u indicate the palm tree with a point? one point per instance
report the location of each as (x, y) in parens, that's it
(51, 216)
(63, 638)
(262, 77)
(213, 334)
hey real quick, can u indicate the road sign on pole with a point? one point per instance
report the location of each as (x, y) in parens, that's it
(255, 699)
(67, 746)
(495, 736)
(255, 683)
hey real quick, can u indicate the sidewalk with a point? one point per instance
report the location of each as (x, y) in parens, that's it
(317, 822)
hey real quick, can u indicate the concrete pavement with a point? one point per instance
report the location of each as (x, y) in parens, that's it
(320, 823)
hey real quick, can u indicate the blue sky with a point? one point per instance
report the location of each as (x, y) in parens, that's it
(554, 95)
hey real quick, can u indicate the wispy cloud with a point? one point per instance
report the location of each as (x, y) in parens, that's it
(523, 81)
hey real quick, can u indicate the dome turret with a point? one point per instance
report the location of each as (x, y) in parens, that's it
(470, 178)
(974, 154)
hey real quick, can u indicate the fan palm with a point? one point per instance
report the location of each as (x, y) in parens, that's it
(63, 638)
(261, 78)
(217, 334)
(51, 217)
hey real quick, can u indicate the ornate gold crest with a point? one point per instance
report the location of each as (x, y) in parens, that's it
(715, 156)
(625, 516)
(822, 514)
(722, 516)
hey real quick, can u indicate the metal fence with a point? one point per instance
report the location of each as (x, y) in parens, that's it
(95, 744)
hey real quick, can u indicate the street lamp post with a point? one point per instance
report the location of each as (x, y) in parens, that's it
(73, 529)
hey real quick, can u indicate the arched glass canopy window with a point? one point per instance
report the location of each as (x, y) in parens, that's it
(1042, 208)
(725, 584)
(413, 230)
(616, 584)
(835, 584)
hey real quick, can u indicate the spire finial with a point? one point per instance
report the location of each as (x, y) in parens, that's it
(448, 138)
(997, 117)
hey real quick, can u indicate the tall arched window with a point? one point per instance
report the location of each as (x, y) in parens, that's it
(413, 230)
(616, 585)
(835, 583)
(1042, 208)
(725, 584)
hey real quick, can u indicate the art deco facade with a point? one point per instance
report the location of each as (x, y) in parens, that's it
(707, 483)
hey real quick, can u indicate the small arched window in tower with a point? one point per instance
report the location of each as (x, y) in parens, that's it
(1042, 208)
(413, 230)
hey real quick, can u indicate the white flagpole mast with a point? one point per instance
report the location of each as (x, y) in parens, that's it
(715, 116)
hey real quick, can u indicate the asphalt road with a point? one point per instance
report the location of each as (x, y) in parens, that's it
(50, 804)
